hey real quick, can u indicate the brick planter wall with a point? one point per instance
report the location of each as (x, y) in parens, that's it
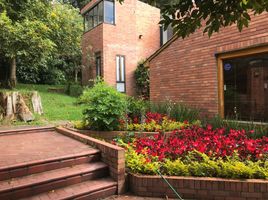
(200, 188)
(112, 155)
(110, 135)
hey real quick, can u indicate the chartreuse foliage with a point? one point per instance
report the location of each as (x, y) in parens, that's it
(104, 106)
(195, 164)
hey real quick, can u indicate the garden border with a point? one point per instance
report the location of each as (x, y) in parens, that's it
(202, 188)
(112, 155)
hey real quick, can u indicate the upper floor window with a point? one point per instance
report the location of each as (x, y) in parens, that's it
(104, 11)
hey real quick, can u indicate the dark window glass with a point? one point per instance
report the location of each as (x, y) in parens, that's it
(246, 88)
(100, 12)
(98, 64)
(94, 16)
(109, 12)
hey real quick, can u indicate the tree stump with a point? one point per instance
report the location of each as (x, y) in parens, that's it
(13, 106)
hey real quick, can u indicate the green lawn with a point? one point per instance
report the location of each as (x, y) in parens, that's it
(57, 107)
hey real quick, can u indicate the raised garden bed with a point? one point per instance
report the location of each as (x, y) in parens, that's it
(199, 188)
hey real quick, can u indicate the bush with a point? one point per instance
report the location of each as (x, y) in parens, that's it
(194, 164)
(104, 107)
(74, 89)
(136, 108)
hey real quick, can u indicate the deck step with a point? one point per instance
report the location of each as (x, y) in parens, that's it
(29, 168)
(50, 180)
(88, 190)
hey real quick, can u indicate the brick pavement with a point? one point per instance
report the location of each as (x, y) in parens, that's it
(34, 146)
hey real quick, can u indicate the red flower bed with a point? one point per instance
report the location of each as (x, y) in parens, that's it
(216, 143)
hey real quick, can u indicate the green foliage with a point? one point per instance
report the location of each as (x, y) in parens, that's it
(104, 106)
(137, 107)
(187, 16)
(142, 80)
(175, 168)
(139, 163)
(74, 89)
(196, 164)
(178, 111)
(32, 31)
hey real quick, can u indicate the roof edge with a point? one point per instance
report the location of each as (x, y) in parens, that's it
(169, 42)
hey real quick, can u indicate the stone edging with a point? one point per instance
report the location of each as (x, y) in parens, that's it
(199, 188)
(112, 155)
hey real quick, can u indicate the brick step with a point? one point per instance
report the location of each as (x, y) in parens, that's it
(88, 190)
(24, 169)
(41, 182)
(26, 130)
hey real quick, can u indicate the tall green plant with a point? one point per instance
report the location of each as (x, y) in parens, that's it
(175, 110)
(142, 80)
(104, 107)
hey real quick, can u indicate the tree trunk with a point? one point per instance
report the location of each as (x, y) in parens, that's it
(76, 75)
(12, 76)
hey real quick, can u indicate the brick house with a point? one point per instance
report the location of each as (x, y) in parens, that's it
(118, 36)
(226, 74)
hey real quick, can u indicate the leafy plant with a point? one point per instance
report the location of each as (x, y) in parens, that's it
(177, 111)
(104, 107)
(142, 80)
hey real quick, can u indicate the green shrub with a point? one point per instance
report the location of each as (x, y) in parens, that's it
(178, 111)
(142, 80)
(136, 107)
(104, 107)
(74, 89)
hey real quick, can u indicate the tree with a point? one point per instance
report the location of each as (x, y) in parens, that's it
(186, 16)
(37, 31)
(24, 32)
(77, 3)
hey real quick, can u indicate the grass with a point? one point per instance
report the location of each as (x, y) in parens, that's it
(57, 107)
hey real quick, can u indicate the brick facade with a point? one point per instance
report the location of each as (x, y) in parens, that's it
(185, 70)
(132, 19)
(200, 188)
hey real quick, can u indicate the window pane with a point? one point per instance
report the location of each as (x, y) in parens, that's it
(100, 12)
(90, 20)
(95, 18)
(118, 69)
(246, 88)
(109, 11)
(122, 65)
(120, 87)
(98, 65)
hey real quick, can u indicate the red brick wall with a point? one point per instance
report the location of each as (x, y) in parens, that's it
(132, 18)
(200, 188)
(92, 42)
(187, 70)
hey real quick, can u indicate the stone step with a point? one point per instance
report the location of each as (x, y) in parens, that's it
(87, 190)
(30, 185)
(24, 169)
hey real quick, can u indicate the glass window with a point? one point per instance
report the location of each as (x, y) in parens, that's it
(94, 16)
(100, 12)
(98, 64)
(246, 88)
(109, 12)
(120, 74)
